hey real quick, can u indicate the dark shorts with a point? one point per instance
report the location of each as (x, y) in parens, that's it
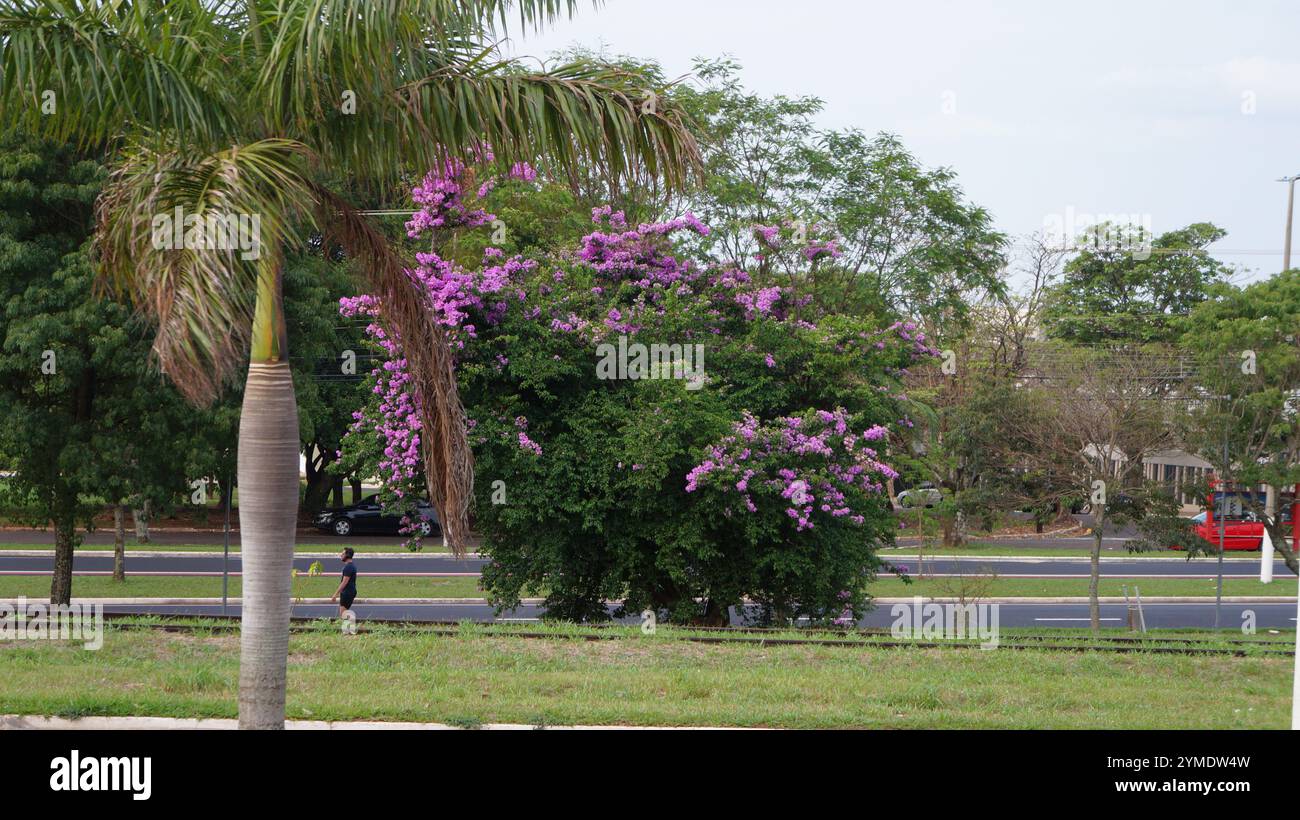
(346, 599)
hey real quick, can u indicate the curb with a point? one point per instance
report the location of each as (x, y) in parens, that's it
(1105, 599)
(112, 723)
(1031, 559)
(1166, 599)
(234, 601)
(85, 553)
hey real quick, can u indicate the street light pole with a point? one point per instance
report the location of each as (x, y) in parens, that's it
(225, 550)
(1290, 202)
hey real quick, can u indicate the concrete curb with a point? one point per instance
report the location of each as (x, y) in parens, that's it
(105, 723)
(304, 602)
(44, 553)
(1167, 599)
(1031, 559)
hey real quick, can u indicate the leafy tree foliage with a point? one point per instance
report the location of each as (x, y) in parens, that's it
(1113, 295)
(86, 417)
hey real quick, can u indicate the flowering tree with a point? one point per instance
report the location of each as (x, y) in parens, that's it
(673, 435)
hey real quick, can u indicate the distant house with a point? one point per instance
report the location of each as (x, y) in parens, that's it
(1179, 470)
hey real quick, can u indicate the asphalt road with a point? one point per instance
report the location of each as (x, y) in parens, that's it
(414, 564)
(45, 538)
(434, 564)
(1027, 615)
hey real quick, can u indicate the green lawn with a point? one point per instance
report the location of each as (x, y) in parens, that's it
(152, 586)
(892, 587)
(394, 545)
(99, 586)
(1011, 547)
(475, 677)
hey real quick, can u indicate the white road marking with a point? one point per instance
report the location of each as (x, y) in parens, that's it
(1074, 619)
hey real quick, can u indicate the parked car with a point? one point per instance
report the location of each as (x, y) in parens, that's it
(924, 495)
(368, 516)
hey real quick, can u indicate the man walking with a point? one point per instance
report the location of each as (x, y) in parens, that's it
(347, 591)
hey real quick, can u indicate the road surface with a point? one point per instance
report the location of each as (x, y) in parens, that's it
(1027, 615)
(435, 564)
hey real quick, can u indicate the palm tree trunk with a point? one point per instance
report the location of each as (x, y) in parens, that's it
(268, 515)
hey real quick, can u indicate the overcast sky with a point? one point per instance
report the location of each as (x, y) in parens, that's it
(1176, 111)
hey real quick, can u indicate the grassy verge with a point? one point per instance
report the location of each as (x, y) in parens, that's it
(971, 588)
(431, 546)
(35, 586)
(475, 677)
(1010, 547)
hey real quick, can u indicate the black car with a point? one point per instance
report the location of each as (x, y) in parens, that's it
(367, 516)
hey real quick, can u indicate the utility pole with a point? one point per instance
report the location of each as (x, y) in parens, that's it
(1222, 512)
(1290, 202)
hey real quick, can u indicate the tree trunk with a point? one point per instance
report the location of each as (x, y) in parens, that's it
(715, 614)
(119, 542)
(338, 491)
(65, 543)
(1094, 605)
(319, 480)
(268, 512)
(355, 482)
(141, 518)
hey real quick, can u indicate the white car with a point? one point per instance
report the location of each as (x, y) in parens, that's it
(923, 496)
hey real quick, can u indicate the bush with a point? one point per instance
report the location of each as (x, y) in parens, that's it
(646, 428)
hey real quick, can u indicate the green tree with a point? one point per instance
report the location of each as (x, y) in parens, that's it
(1132, 289)
(907, 241)
(86, 419)
(1245, 343)
(232, 110)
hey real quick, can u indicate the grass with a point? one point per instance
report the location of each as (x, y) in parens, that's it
(331, 547)
(478, 676)
(323, 586)
(1010, 547)
(892, 587)
(152, 586)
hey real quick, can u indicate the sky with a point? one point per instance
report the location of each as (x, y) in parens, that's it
(1169, 112)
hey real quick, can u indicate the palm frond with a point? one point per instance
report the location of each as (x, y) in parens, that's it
(407, 316)
(114, 68)
(423, 88)
(200, 297)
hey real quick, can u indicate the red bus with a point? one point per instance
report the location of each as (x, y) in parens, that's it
(1241, 529)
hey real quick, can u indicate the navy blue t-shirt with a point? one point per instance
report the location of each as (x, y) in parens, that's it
(350, 572)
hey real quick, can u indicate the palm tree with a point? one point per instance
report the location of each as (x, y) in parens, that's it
(242, 108)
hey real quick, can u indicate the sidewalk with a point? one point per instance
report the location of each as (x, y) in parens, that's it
(155, 723)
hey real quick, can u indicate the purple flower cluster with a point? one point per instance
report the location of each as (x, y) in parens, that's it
(814, 464)
(442, 200)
